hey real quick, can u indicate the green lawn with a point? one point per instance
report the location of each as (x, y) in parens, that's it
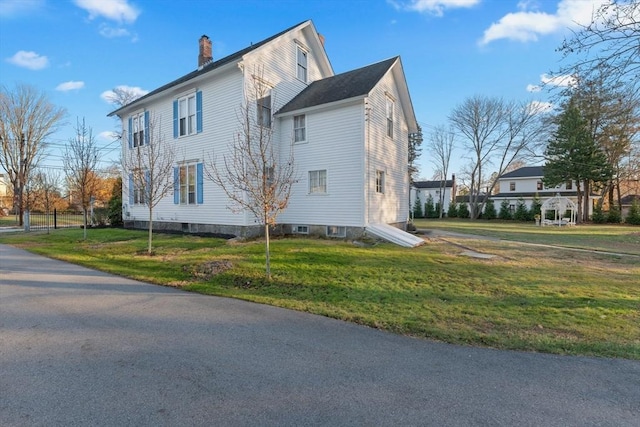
(527, 298)
(608, 237)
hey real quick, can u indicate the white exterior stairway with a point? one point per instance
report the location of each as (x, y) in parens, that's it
(394, 235)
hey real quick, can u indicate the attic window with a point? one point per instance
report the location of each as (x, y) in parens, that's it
(301, 59)
(264, 111)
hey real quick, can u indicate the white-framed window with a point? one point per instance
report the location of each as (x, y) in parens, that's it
(188, 184)
(539, 185)
(512, 208)
(263, 106)
(336, 231)
(187, 115)
(301, 60)
(390, 108)
(569, 185)
(379, 181)
(138, 125)
(300, 229)
(138, 182)
(299, 128)
(318, 182)
(512, 186)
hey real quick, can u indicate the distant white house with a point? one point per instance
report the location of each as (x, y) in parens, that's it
(349, 134)
(5, 196)
(423, 189)
(526, 184)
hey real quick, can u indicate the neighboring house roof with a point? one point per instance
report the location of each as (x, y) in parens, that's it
(525, 172)
(628, 200)
(543, 195)
(237, 56)
(433, 184)
(343, 86)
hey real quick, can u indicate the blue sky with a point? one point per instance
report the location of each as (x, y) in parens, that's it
(77, 50)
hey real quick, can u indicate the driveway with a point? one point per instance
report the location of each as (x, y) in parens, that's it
(83, 348)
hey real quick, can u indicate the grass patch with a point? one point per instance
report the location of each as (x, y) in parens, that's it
(527, 298)
(602, 237)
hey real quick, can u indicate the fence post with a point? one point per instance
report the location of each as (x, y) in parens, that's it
(55, 219)
(27, 225)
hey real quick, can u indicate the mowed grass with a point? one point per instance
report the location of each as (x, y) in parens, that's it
(526, 298)
(616, 238)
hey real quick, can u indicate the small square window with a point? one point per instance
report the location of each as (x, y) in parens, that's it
(540, 186)
(569, 185)
(300, 229)
(512, 186)
(336, 231)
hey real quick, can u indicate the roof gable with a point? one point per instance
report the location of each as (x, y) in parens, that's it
(352, 84)
(212, 66)
(525, 172)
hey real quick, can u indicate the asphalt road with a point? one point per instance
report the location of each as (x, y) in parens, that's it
(84, 348)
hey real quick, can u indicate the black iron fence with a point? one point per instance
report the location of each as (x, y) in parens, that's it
(53, 220)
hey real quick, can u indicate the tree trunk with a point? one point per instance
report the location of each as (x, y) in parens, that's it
(586, 200)
(84, 212)
(579, 194)
(266, 248)
(149, 247)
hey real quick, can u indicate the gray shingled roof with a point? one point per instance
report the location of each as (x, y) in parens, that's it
(209, 67)
(432, 184)
(525, 172)
(347, 85)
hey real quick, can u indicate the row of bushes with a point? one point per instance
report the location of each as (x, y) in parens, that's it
(521, 212)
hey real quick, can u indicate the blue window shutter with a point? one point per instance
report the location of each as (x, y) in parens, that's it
(176, 185)
(199, 183)
(146, 128)
(175, 119)
(147, 187)
(130, 132)
(131, 189)
(199, 111)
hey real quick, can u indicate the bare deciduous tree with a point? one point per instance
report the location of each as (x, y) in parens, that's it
(27, 118)
(441, 142)
(610, 40)
(149, 164)
(253, 174)
(80, 162)
(495, 133)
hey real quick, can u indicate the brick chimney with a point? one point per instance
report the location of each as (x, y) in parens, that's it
(204, 56)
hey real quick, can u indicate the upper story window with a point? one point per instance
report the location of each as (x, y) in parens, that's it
(569, 185)
(540, 186)
(264, 110)
(379, 181)
(390, 107)
(299, 128)
(301, 69)
(512, 186)
(318, 182)
(139, 129)
(187, 115)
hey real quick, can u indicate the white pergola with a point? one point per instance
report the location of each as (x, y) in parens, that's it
(560, 205)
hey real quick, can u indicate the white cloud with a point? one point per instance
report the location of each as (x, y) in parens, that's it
(534, 88)
(110, 96)
(108, 135)
(434, 7)
(30, 60)
(539, 107)
(11, 8)
(528, 25)
(70, 85)
(110, 32)
(564, 80)
(115, 10)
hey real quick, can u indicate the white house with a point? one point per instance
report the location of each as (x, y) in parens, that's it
(423, 189)
(526, 183)
(349, 134)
